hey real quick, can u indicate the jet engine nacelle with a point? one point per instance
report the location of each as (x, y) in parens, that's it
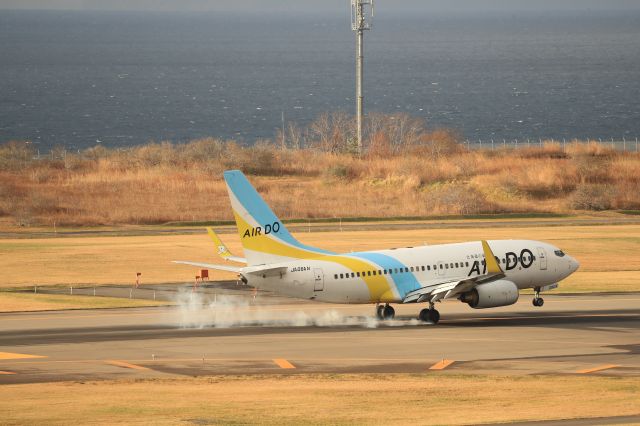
(492, 295)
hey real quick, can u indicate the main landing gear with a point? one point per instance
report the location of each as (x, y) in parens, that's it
(385, 312)
(537, 300)
(429, 314)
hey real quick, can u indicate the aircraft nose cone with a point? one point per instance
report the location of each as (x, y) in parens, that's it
(573, 265)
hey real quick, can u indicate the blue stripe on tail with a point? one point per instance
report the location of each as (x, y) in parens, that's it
(253, 203)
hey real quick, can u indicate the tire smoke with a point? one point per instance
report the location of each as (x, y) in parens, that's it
(197, 310)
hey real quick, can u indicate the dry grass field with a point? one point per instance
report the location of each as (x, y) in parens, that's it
(30, 302)
(321, 399)
(608, 254)
(430, 174)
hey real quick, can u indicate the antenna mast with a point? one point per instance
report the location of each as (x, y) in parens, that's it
(361, 19)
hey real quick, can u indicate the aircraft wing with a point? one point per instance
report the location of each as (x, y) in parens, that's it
(453, 287)
(223, 251)
(228, 268)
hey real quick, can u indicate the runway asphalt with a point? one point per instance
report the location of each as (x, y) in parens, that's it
(595, 334)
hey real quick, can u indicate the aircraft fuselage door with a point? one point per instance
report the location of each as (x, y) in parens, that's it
(318, 277)
(440, 268)
(542, 256)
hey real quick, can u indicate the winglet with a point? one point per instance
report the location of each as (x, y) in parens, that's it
(492, 265)
(223, 251)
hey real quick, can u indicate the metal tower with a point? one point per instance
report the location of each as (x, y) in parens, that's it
(361, 19)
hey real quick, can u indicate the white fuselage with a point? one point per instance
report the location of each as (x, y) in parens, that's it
(388, 275)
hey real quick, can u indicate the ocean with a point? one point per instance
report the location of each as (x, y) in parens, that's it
(77, 79)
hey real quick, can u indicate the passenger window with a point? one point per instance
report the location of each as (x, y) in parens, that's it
(341, 276)
(412, 269)
(358, 273)
(374, 273)
(456, 264)
(369, 273)
(379, 272)
(353, 275)
(446, 266)
(440, 266)
(467, 263)
(423, 267)
(335, 276)
(428, 267)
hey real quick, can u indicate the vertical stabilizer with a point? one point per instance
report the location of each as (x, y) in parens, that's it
(264, 237)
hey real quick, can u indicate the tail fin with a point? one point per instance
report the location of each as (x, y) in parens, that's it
(264, 237)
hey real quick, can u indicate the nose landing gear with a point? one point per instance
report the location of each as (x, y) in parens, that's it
(537, 300)
(385, 312)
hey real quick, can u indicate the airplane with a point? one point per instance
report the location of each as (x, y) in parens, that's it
(482, 274)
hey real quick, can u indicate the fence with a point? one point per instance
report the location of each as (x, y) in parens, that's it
(623, 145)
(159, 292)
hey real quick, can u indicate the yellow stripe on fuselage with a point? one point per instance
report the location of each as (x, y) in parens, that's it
(380, 289)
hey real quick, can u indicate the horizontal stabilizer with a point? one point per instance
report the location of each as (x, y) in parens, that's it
(265, 270)
(227, 268)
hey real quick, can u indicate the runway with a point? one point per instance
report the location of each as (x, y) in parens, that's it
(595, 334)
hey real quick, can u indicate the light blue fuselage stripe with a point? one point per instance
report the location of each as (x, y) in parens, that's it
(246, 194)
(404, 282)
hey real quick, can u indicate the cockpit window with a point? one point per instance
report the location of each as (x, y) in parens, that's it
(559, 253)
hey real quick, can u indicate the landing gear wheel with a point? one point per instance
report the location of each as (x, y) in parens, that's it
(434, 316)
(429, 315)
(379, 312)
(537, 300)
(388, 312)
(424, 315)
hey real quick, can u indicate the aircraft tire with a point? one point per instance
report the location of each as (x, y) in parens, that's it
(379, 312)
(388, 312)
(434, 316)
(424, 315)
